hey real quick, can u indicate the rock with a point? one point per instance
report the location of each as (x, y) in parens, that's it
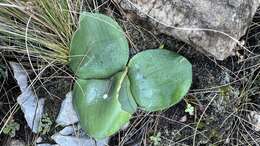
(39, 140)
(31, 106)
(72, 141)
(68, 130)
(255, 120)
(67, 114)
(70, 136)
(183, 119)
(46, 144)
(16, 143)
(212, 26)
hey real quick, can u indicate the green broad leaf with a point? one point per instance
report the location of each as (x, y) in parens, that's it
(159, 78)
(98, 48)
(102, 104)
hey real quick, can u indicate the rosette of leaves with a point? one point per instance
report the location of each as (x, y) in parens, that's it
(110, 87)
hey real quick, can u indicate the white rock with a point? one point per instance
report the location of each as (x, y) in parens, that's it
(72, 141)
(16, 143)
(67, 114)
(46, 144)
(211, 26)
(67, 137)
(255, 120)
(31, 106)
(70, 130)
(63, 140)
(103, 142)
(39, 140)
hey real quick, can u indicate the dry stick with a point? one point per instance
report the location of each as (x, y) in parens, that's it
(96, 9)
(29, 58)
(190, 29)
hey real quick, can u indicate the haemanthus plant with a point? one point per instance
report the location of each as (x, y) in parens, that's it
(110, 87)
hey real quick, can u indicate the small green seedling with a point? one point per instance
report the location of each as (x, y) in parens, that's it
(189, 109)
(156, 139)
(161, 46)
(110, 87)
(11, 128)
(45, 124)
(225, 90)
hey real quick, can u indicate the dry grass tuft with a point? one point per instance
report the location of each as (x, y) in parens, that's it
(38, 29)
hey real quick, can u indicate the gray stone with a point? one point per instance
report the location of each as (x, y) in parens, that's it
(212, 26)
(254, 118)
(31, 106)
(16, 143)
(67, 114)
(67, 137)
(46, 144)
